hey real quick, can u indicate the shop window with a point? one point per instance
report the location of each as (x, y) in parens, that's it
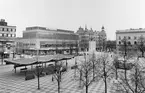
(135, 42)
(129, 43)
(135, 37)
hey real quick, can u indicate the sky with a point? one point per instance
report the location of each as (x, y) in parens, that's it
(71, 14)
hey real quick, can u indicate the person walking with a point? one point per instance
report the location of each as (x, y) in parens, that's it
(52, 78)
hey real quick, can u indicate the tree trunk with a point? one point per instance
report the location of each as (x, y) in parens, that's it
(38, 75)
(58, 84)
(125, 71)
(80, 77)
(136, 81)
(116, 74)
(93, 71)
(142, 53)
(86, 82)
(105, 85)
(86, 88)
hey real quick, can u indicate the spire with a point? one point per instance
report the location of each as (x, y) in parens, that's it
(103, 28)
(91, 29)
(86, 28)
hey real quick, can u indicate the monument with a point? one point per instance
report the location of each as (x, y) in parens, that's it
(92, 45)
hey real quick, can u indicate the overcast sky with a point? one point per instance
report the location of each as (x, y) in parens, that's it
(71, 14)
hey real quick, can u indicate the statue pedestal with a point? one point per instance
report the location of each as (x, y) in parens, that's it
(92, 46)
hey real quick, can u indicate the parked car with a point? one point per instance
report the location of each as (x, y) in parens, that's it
(74, 67)
(121, 65)
(64, 69)
(80, 54)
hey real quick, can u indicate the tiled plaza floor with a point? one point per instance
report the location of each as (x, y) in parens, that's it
(15, 83)
(11, 82)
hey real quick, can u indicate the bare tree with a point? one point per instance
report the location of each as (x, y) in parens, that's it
(135, 82)
(110, 45)
(58, 72)
(95, 65)
(140, 44)
(85, 70)
(93, 60)
(105, 68)
(125, 48)
(116, 64)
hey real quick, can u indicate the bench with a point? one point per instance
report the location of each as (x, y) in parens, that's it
(29, 76)
(23, 69)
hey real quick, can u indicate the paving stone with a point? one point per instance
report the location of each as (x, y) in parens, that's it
(15, 83)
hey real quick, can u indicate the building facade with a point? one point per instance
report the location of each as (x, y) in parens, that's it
(131, 37)
(7, 38)
(86, 35)
(47, 41)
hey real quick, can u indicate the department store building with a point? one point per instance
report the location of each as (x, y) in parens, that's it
(46, 41)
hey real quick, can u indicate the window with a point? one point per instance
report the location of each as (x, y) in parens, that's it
(3, 29)
(135, 37)
(135, 42)
(7, 35)
(2, 35)
(11, 35)
(15, 30)
(129, 43)
(119, 42)
(129, 37)
(124, 37)
(119, 38)
(7, 29)
(11, 30)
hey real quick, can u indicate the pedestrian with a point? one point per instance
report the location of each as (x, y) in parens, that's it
(52, 78)
(66, 64)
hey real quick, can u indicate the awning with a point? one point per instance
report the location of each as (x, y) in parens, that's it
(39, 59)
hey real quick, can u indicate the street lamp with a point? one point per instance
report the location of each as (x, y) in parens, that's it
(38, 72)
(2, 52)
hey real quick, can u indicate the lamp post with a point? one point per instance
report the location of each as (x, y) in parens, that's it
(125, 54)
(38, 72)
(2, 53)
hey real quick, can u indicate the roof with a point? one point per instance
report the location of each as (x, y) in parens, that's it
(39, 59)
(131, 30)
